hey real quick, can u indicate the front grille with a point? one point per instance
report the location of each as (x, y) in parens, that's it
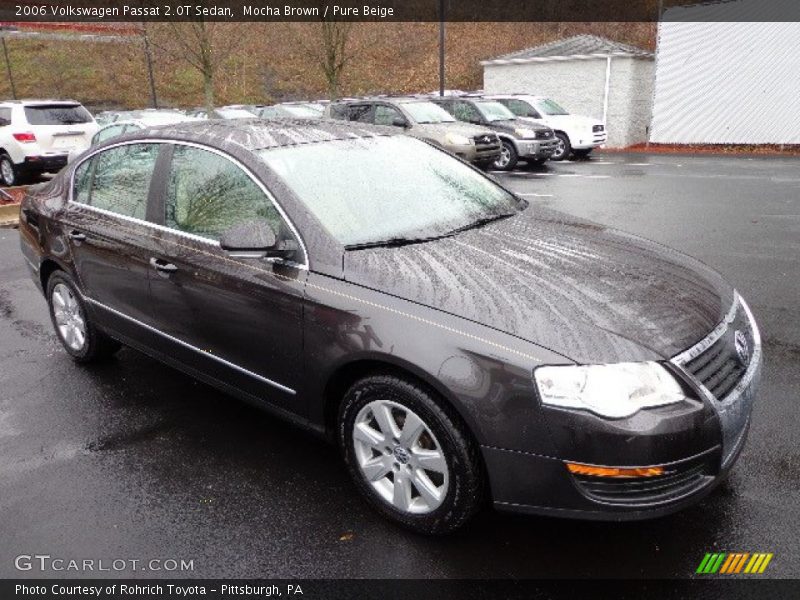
(545, 135)
(723, 363)
(597, 128)
(486, 140)
(684, 480)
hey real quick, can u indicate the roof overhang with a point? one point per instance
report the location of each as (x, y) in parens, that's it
(542, 59)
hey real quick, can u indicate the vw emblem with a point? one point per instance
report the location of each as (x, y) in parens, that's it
(401, 455)
(742, 349)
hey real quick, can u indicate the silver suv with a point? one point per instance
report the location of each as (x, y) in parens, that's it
(424, 120)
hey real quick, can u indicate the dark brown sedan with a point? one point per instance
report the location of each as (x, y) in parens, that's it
(457, 343)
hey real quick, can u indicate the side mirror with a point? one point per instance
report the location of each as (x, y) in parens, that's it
(399, 122)
(253, 239)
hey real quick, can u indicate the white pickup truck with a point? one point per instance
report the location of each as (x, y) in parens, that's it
(576, 134)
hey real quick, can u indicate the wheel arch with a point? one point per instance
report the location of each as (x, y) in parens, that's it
(47, 267)
(348, 373)
(508, 138)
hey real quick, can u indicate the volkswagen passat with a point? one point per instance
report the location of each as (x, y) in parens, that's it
(458, 343)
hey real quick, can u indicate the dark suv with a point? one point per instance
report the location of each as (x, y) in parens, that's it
(424, 120)
(523, 139)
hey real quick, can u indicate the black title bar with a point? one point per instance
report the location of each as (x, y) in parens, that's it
(114, 11)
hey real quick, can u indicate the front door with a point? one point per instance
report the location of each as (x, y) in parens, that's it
(237, 319)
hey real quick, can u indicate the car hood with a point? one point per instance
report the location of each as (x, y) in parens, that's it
(567, 121)
(441, 129)
(587, 292)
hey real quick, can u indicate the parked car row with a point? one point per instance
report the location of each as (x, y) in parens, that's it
(529, 128)
(489, 131)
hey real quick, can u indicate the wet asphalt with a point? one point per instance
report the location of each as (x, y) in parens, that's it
(133, 460)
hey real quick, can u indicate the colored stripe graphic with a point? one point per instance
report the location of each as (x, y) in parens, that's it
(733, 563)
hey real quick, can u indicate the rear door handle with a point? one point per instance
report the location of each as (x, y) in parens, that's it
(77, 236)
(162, 265)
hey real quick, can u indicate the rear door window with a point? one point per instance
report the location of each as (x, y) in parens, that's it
(57, 114)
(361, 113)
(118, 179)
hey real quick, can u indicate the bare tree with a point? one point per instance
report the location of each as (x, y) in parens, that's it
(331, 46)
(204, 46)
(334, 57)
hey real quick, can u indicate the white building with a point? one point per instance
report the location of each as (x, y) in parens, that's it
(723, 80)
(587, 75)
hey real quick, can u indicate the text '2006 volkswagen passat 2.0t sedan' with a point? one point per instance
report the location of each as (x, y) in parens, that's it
(458, 344)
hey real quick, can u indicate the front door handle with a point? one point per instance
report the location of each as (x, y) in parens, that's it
(77, 236)
(162, 265)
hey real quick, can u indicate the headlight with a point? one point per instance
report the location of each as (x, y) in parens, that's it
(525, 133)
(614, 391)
(457, 140)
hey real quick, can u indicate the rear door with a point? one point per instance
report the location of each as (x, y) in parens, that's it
(235, 319)
(110, 238)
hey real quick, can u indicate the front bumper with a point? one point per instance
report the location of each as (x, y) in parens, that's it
(477, 154)
(696, 442)
(536, 148)
(590, 140)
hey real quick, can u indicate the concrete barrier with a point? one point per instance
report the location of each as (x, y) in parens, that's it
(9, 215)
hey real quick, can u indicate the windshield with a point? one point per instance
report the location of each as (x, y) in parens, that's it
(57, 114)
(301, 110)
(234, 113)
(385, 188)
(428, 112)
(494, 111)
(551, 107)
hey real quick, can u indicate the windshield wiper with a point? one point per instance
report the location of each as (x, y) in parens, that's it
(404, 241)
(481, 223)
(392, 242)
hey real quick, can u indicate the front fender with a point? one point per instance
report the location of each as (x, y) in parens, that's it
(483, 373)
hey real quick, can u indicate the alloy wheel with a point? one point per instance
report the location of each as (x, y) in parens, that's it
(560, 150)
(400, 457)
(68, 316)
(7, 171)
(504, 159)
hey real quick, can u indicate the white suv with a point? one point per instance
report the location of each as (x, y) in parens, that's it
(36, 136)
(577, 135)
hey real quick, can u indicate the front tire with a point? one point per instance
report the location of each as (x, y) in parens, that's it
(413, 460)
(563, 149)
(508, 157)
(76, 332)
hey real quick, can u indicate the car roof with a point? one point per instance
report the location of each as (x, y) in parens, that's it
(261, 134)
(33, 102)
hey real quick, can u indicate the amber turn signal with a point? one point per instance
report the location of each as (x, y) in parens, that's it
(579, 469)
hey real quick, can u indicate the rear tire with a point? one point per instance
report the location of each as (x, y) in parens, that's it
(9, 172)
(564, 148)
(413, 460)
(76, 332)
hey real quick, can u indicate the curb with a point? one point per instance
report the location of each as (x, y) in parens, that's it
(9, 215)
